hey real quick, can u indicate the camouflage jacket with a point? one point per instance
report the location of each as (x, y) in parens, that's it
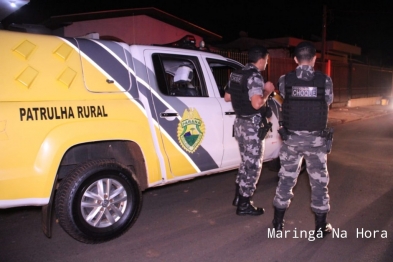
(306, 72)
(255, 82)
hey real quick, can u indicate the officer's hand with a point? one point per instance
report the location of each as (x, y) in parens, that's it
(227, 97)
(268, 88)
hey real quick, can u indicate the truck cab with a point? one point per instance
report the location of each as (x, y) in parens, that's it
(87, 125)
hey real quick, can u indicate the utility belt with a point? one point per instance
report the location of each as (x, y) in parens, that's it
(322, 133)
(327, 133)
(264, 125)
(255, 119)
(264, 112)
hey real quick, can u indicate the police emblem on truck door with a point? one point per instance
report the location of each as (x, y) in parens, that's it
(191, 130)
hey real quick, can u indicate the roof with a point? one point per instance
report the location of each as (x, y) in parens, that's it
(332, 47)
(55, 22)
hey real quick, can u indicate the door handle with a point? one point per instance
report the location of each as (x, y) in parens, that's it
(229, 113)
(168, 114)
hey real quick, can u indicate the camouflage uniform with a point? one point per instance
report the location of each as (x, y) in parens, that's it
(251, 152)
(311, 147)
(250, 146)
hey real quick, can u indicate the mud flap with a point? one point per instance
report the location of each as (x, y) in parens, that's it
(46, 214)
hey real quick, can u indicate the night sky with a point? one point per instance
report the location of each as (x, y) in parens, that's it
(368, 25)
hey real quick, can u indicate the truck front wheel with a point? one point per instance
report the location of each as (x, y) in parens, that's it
(98, 201)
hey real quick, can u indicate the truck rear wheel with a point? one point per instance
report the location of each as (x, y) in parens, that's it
(98, 201)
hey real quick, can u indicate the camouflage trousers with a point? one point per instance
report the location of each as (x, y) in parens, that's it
(291, 154)
(251, 153)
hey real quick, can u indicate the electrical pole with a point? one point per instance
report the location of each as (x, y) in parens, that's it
(323, 44)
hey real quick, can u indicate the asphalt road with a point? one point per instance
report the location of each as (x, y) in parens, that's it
(195, 221)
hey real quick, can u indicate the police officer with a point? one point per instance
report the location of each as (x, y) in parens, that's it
(307, 95)
(248, 94)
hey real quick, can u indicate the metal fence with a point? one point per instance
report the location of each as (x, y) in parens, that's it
(349, 80)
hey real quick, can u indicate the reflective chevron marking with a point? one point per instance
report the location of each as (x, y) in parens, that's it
(142, 97)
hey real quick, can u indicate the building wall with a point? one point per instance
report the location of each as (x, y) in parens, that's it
(139, 29)
(280, 53)
(349, 80)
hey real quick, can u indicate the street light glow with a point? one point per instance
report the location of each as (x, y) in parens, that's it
(13, 4)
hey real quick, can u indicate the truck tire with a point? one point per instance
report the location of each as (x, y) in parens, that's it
(98, 201)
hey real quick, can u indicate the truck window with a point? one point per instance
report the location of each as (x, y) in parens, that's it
(221, 71)
(117, 77)
(179, 75)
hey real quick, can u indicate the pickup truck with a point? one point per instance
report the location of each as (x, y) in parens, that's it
(86, 125)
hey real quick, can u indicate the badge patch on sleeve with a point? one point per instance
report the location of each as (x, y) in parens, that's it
(303, 91)
(191, 130)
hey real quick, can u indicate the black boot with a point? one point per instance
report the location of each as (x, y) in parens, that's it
(236, 199)
(278, 220)
(246, 207)
(321, 224)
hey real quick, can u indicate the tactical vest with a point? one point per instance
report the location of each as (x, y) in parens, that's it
(239, 93)
(304, 106)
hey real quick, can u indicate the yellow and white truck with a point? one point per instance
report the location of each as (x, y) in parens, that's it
(87, 125)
